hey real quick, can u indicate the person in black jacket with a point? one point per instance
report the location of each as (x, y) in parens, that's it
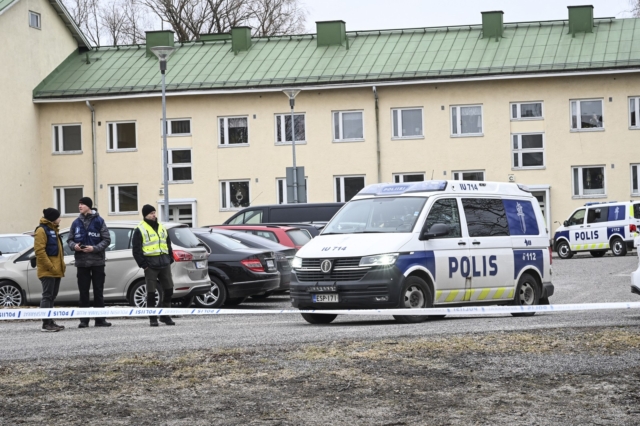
(152, 251)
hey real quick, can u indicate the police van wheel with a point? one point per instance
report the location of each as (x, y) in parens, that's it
(564, 251)
(415, 295)
(527, 294)
(319, 318)
(618, 248)
(598, 253)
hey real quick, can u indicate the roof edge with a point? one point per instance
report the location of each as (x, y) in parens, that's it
(70, 23)
(8, 6)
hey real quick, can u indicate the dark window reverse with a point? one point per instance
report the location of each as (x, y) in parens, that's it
(486, 217)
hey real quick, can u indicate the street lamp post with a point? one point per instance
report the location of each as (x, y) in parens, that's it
(163, 53)
(291, 94)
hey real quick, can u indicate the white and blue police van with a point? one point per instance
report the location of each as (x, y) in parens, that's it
(427, 244)
(598, 227)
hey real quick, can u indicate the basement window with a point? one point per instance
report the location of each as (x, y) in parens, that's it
(34, 20)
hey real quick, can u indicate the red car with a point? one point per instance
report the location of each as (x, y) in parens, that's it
(286, 235)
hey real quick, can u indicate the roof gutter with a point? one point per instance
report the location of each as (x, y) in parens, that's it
(94, 150)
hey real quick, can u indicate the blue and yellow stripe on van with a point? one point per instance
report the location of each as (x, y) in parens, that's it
(474, 295)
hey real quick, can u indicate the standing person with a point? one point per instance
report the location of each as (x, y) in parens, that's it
(152, 250)
(89, 238)
(49, 261)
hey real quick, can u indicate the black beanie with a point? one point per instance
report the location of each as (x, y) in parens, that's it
(86, 201)
(51, 214)
(146, 209)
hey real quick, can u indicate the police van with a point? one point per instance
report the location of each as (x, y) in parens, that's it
(598, 227)
(426, 244)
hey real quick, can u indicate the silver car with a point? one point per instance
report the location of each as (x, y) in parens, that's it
(19, 283)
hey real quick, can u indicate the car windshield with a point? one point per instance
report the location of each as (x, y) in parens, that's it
(183, 237)
(15, 244)
(299, 237)
(373, 215)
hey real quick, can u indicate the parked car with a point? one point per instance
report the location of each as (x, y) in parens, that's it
(14, 243)
(286, 213)
(236, 270)
(285, 235)
(19, 284)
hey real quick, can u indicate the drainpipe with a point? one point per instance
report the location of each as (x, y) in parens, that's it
(95, 162)
(375, 95)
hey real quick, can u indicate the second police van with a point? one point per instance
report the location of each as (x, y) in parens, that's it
(427, 244)
(598, 227)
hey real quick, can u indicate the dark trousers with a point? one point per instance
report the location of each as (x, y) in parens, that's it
(162, 280)
(50, 287)
(87, 276)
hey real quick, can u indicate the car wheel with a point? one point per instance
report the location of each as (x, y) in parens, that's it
(598, 253)
(319, 318)
(235, 301)
(527, 294)
(564, 251)
(262, 296)
(10, 295)
(182, 302)
(415, 295)
(618, 248)
(138, 295)
(215, 298)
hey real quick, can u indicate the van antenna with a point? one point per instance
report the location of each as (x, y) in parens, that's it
(432, 170)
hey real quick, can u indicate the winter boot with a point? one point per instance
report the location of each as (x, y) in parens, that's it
(153, 321)
(48, 326)
(167, 320)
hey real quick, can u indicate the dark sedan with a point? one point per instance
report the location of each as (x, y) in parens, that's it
(236, 270)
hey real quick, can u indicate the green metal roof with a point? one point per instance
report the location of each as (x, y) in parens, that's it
(372, 56)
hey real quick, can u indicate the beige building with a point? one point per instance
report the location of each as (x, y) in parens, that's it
(552, 105)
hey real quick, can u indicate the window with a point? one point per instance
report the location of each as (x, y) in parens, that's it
(408, 177)
(347, 187)
(179, 165)
(348, 126)
(281, 185)
(527, 150)
(283, 128)
(526, 111)
(123, 199)
(635, 180)
(588, 181)
(34, 20)
(121, 136)
(177, 127)
(66, 199)
(120, 239)
(446, 212)
(634, 112)
(598, 214)
(586, 115)
(234, 131)
(577, 218)
(234, 194)
(486, 217)
(466, 120)
(67, 138)
(264, 234)
(252, 216)
(299, 237)
(469, 175)
(407, 123)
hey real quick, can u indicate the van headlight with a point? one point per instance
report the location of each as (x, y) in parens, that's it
(379, 260)
(297, 262)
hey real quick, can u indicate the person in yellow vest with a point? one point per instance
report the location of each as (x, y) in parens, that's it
(152, 251)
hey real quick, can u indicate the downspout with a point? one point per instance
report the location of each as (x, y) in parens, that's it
(375, 95)
(95, 161)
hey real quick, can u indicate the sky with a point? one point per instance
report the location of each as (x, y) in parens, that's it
(390, 14)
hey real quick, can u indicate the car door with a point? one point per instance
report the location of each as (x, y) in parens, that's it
(451, 252)
(575, 225)
(120, 266)
(596, 227)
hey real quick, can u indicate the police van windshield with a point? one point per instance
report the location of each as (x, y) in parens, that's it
(373, 215)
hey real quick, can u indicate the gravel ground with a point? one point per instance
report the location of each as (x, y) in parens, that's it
(571, 368)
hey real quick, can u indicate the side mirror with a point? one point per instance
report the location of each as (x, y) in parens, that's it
(436, 230)
(32, 261)
(565, 223)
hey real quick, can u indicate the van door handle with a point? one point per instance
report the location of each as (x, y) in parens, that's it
(476, 243)
(462, 243)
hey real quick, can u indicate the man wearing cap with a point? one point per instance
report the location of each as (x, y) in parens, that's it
(89, 238)
(152, 251)
(49, 261)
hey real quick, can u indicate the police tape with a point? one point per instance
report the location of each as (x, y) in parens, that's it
(67, 313)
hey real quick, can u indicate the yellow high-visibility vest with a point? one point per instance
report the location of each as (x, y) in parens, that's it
(153, 243)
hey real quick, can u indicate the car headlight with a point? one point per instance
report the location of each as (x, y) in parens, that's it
(379, 260)
(297, 262)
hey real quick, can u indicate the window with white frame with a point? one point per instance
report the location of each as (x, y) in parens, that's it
(466, 120)
(67, 138)
(527, 150)
(121, 136)
(234, 131)
(234, 194)
(587, 114)
(34, 20)
(281, 186)
(634, 112)
(468, 175)
(407, 122)
(408, 177)
(178, 127)
(347, 187)
(526, 111)
(588, 181)
(635, 180)
(179, 165)
(348, 126)
(283, 128)
(66, 199)
(123, 199)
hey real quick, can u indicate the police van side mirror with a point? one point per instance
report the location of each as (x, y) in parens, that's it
(436, 230)
(565, 223)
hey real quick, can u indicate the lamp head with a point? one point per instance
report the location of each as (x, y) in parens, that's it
(291, 94)
(163, 53)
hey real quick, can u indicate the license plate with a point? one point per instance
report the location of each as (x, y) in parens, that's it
(271, 264)
(325, 298)
(201, 264)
